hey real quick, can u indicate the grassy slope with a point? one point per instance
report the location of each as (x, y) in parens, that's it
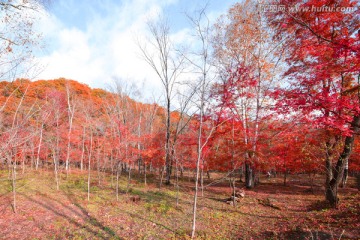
(297, 212)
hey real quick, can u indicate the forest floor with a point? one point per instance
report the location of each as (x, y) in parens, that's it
(270, 211)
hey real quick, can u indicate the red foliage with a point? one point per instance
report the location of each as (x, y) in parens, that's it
(324, 63)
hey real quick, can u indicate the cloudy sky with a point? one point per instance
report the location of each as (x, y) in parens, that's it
(95, 41)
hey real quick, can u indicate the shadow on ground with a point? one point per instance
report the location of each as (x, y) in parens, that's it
(90, 225)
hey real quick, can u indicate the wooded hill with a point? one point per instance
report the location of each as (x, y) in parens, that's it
(63, 124)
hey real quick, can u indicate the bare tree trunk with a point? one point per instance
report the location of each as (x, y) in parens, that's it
(98, 165)
(71, 111)
(129, 179)
(177, 182)
(167, 68)
(23, 164)
(332, 187)
(82, 150)
(56, 172)
(202, 179)
(145, 181)
(233, 189)
(241, 173)
(168, 158)
(249, 176)
(345, 174)
(13, 178)
(328, 163)
(118, 173)
(312, 178)
(161, 176)
(200, 146)
(89, 167)
(112, 169)
(56, 150)
(39, 147)
(193, 229)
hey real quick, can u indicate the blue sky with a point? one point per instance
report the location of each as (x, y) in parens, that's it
(94, 41)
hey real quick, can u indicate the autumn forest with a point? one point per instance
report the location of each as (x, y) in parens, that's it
(254, 133)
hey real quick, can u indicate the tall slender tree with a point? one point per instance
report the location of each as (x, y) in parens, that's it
(161, 56)
(247, 59)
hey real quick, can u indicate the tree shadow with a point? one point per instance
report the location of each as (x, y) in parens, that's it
(135, 215)
(300, 235)
(288, 189)
(91, 219)
(83, 214)
(74, 210)
(150, 195)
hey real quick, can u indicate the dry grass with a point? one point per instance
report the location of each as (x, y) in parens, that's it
(300, 213)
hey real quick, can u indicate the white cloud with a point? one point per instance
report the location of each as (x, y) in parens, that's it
(106, 47)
